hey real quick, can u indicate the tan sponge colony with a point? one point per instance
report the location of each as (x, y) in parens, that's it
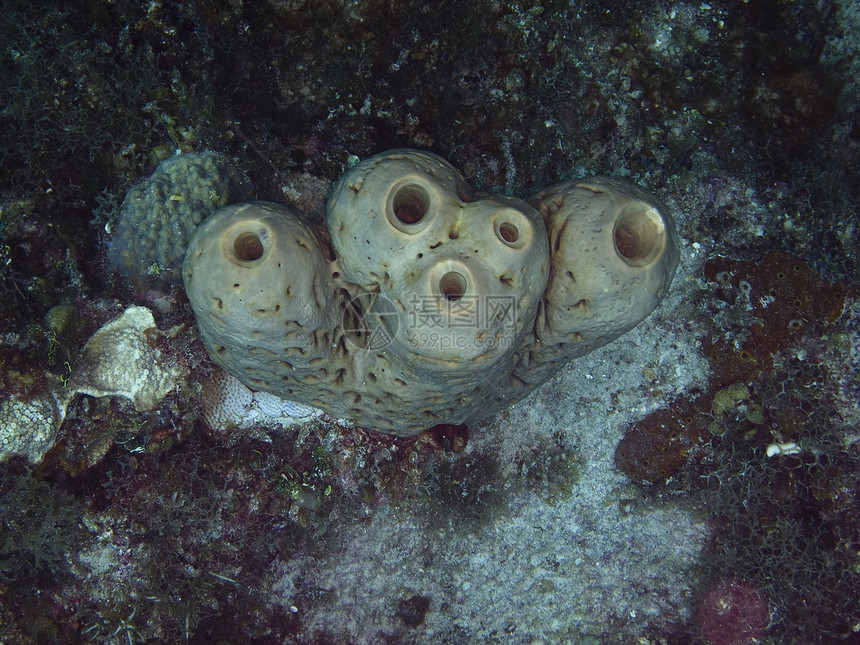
(424, 302)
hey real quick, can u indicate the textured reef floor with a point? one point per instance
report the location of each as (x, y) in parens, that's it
(696, 481)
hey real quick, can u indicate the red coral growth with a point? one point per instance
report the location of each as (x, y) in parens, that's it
(658, 446)
(768, 306)
(782, 296)
(734, 612)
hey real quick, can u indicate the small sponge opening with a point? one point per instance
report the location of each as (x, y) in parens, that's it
(512, 228)
(247, 247)
(411, 203)
(452, 285)
(639, 235)
(509, 232)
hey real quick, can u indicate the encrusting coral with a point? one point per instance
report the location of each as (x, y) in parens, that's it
(228, 404)
(28, 427)
(424, 302)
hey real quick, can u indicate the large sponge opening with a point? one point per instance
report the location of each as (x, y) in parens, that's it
(639, 235)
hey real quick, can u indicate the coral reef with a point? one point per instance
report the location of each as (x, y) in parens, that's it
(773, 424)
(119, 361)
(432, 305)
(228, 404)
(769, 307)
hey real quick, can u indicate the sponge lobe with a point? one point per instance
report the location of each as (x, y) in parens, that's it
(259, 281)
(459, 268)
(614, 252)
(383, 209)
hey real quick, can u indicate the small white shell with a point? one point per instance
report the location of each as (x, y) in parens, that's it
(789, 448)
